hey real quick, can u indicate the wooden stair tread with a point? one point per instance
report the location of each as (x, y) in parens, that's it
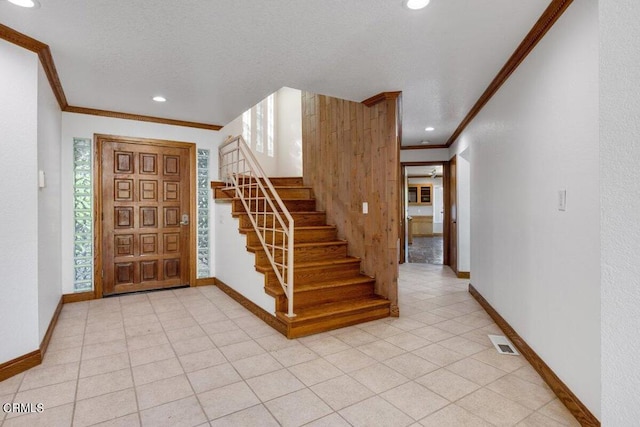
(302, 227)
(336, 283)
(305, 245)
(333, 309)
(327, 263)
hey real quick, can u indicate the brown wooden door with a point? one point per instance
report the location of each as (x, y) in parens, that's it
(145, 194)
(453, 216)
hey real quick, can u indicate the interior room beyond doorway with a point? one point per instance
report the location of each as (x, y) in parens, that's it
(425, 214)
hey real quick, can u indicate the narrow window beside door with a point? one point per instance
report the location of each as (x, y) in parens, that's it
(203, 214)
(82, 215)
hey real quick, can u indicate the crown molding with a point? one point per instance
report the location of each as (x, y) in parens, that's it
(382, 96)
(549, 17)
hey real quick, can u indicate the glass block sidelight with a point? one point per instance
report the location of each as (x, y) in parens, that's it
(203, 214)
(82, 215)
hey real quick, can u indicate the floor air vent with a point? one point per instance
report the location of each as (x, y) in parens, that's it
(503, 345)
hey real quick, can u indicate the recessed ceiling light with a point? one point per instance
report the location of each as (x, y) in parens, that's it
(32, 4)
(429, 129)
(159, 99)
(416, 4)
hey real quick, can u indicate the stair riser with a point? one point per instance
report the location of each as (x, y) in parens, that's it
(307, 254)
(299, 236)
(292, 206)
(321, 296)
(336, 322)
(306, 219)
(317, 275)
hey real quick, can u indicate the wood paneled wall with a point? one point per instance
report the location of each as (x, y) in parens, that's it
(350, 156)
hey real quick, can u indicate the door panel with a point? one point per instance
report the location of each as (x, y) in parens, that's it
(145, 192)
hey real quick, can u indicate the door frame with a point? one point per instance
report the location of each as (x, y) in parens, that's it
(97, 202)
(445, 218)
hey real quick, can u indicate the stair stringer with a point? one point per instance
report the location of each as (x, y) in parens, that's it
(234, 265)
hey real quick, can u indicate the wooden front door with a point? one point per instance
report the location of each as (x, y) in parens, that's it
(146, 214)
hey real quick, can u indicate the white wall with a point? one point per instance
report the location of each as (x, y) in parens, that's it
(234, 265)
(432, 209)
(85, 126)
(49, 220)
(463, 205)
(289, 132)
(620, 205)
(540, 267)
(287, 158)
(19, 207)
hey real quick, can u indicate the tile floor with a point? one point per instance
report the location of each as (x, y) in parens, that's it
(428, 250)
(194, 357)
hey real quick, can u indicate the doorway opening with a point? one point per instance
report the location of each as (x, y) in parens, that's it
(424, 213)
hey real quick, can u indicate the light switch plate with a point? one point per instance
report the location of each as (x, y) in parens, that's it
(365, 208)
(562, 200)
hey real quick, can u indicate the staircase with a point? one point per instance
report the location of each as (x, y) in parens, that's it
(329, 292)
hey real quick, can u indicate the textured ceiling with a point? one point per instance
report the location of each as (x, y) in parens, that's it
(213, 59)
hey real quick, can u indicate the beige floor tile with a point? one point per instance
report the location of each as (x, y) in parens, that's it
(476, 371)
(203, 359)
(410, 365)
(97, 337)
(213, 377)
(298, 408)
(104, 383)
(138, 329)
(180, 413)
(151, 354)
(104, 364)
(407, 341)
(185, 333)
(98, 327)
(441, 356)
(62, 343)
(151, 372)
(538, 420)
(104, 317)
(50, 396)
(414, 400)
(375, 412)
(257, 365)
(379, 378)
(103, 349)
(223, 339)
(454, 415)
(220, 327)
(183, 322)
(448, 384)
(275, 342)
(193, 345)
(462, 345)
(432, 333)
(241, 350)
(355, 336)
(331, 420)
(139, 313)
(274, 384)
(59, 416)
(527, 373)
(227, 400)
(558, 412)
(254, 416)
(494, 408)
(315, 371)
(146, 341)
(293, 355)
(404, 323)
(341, 392)
(131, 420)
(454, 327)
(381, 350)
(175, 314)
(381, 329)
(163, 391)
(523, 392)
(43, 376)
(104, 408)
(11, 385)
(504, 362)
(350, 360)
(428, 318)
(327, 345)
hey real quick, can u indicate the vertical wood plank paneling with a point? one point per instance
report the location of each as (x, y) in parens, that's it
(351, 156)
